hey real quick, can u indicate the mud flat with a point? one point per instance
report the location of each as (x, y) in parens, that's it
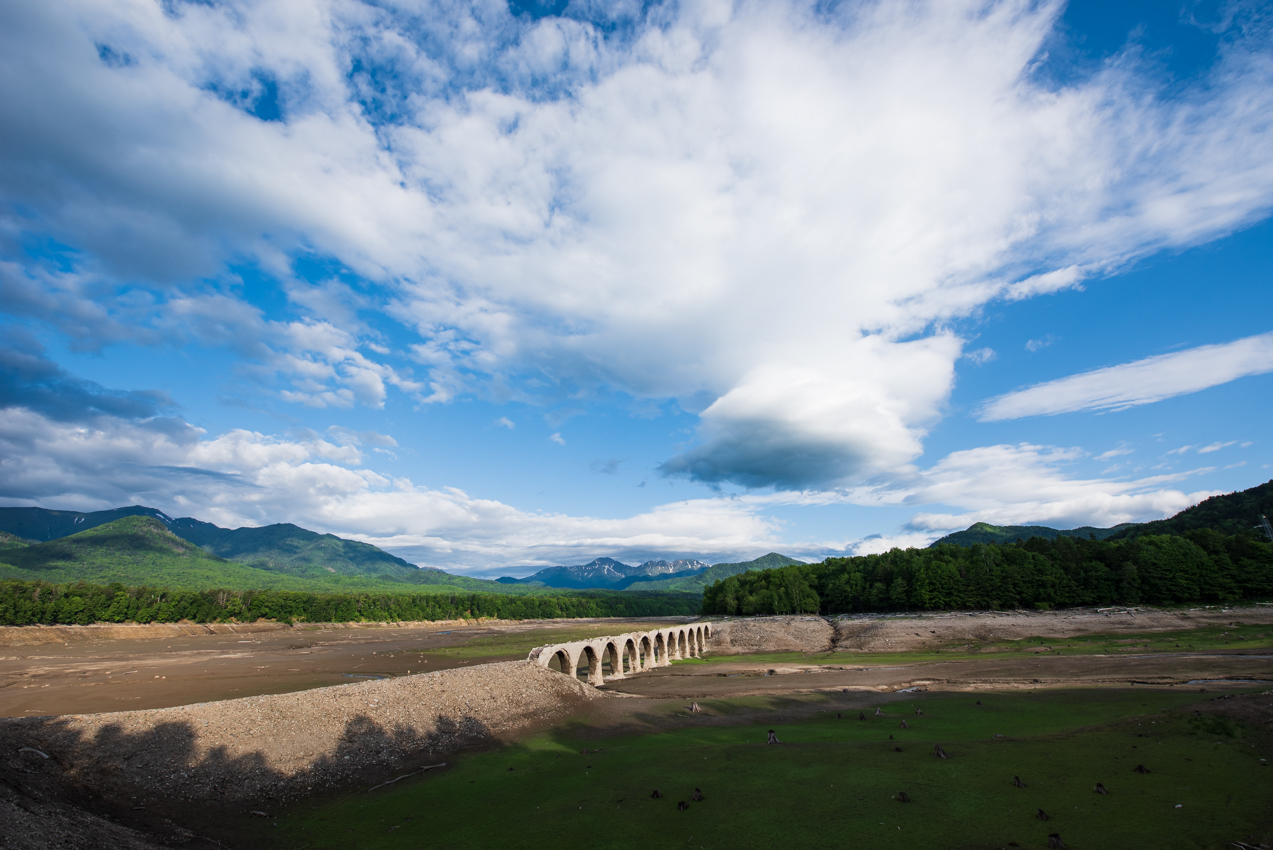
(46, 670)
(250, 754)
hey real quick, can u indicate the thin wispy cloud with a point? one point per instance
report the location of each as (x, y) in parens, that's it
(1141, 382)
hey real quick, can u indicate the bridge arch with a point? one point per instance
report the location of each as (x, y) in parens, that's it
(603, 659)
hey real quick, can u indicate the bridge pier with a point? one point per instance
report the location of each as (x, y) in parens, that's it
(642, 650)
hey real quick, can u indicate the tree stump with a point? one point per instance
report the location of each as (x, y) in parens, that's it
(902, 798)
(1140, 768)
(656, 795)
(861, 715)
(1016, 781)
(939, 752)
(903, 725)
(919, 711)
(978, 702)
(694, 708)
(1055, 842)
(878, 712)
(1042, 815)
(839, 716)
(682, 806)
(697, 796)
(773, 738)
(1100, 789)
(897, 749)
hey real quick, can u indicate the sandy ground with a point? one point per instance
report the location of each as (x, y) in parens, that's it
(902, 632)
(89, 669)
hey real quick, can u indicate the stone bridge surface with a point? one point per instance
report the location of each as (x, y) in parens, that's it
(626, 654)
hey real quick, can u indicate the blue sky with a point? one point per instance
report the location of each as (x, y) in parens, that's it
(497, 287)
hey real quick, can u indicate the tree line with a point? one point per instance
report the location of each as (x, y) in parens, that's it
(24, 603)
(1202, 565)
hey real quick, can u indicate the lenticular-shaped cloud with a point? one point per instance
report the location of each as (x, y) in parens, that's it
(754, 209)
(1141, 382)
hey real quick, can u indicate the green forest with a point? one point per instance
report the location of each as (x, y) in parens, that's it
(25, 603)
(1202, 565)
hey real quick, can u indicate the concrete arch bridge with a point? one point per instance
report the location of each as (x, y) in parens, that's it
(604, 659)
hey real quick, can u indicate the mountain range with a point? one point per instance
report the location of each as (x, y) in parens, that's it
(609, 573)
(139, 545)
(1230, 513)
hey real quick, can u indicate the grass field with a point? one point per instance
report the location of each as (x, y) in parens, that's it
(834, 782)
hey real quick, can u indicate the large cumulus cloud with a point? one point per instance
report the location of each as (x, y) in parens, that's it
(769, 212)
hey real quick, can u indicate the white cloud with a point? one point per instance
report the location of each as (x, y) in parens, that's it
(1215, 447)
(1140, 382)
(505, 422)
(558, 439)
(1117, 451)
(247, 478)
(1016, 485)
(1038, 344)
(744, 207)
(981, 356)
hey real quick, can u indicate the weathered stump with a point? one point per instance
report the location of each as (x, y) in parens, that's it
(697, 796)
(939, 752)
(903, 725)
(902, 798)
(1055, 842)
(656, 795)
(1140, 768)
(1042, 815)
(1100, 789)
(1016, 781)
(773, 738)
(682, 806)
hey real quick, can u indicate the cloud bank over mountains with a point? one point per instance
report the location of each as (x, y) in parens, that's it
(774, 214)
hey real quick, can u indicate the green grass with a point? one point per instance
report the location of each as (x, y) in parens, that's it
(833, 783)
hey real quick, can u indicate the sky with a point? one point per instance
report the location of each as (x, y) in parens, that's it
(497, 286)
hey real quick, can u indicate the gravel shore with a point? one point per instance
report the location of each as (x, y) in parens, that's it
(283, 746)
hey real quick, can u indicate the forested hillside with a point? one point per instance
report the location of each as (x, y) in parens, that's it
(24, 603)
(1202, 566)
(1231, 513)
